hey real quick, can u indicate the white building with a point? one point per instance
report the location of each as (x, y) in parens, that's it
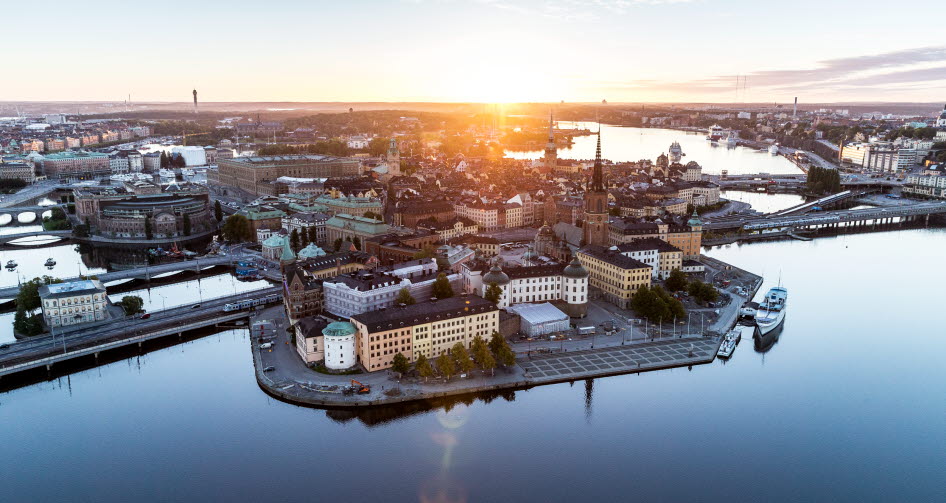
(193, 156)
(527, 284)
(339, 343)
(358, 142)
(73, 303)
(661, 256)
(369, 290)
(540, 319)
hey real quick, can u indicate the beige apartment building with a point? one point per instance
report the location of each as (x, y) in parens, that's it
(617, 276)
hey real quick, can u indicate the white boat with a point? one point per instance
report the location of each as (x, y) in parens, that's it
(731, 140)
(748, 311)
(774, 149)
(729, 343)
(187, 172)
(771, 311)
(11, 264)
(167, 173)
(716, 132)
(50, 262)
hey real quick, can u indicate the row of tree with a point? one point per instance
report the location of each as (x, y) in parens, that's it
(823, 180)
(482, 354)
(656, 305)
(700, 291)
(25, 321)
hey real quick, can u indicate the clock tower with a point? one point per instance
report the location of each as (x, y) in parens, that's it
(596, 204)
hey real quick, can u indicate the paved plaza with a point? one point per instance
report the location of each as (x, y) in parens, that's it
(640, 356)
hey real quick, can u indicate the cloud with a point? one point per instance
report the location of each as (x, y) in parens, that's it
(909, 66)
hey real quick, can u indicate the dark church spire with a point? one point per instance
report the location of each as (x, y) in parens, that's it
(597, 177)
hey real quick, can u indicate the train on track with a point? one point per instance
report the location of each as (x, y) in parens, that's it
(248, 303)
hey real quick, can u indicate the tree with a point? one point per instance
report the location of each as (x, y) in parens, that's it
(703, 292)
(294, 240)
(149, 234)
(27, 325)
(484, 358)
(28, 297)
(187, 224)
(165, 162)
(132, 304)
(338, 244)
(404, 297)
(462, 357)
(445, 365)
(400, 364)
(218, 211)
(237, 229)
(357, 242)
(676, 281)
(423, 367)
(493, 293)
(506, 356)
(427, 251)
(442, 287)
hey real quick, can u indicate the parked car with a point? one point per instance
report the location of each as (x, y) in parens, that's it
(145, 316)
(266, 345)
(195, 306)
(269, 369)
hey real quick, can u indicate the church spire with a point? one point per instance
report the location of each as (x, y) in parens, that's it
(597, 177)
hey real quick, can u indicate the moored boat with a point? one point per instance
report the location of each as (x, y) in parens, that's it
(11, 264)
(771, 312)
(50, 262)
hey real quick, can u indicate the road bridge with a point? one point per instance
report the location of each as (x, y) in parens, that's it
(148, 272)
(6, 238)
(44, 351)
(830, 218)
(825, 202)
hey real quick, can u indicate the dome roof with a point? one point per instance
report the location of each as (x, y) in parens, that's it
(545, 230)
(311, 251)
(495, 275)
(693, 164)
(575, 270)
(694, 220)
(339, 329)
(274, 241)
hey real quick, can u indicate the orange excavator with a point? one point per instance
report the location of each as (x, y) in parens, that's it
(361, 389)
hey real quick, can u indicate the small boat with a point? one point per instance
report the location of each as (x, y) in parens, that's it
(774, 149)
(748, 311)
(731, 140)
(50, 262)
(11, 264)
(729, 343)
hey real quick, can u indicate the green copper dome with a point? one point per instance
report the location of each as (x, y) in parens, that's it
(339, 329)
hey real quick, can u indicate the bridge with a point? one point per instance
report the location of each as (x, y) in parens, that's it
(6, 238)
(825, 202)
(795, 182)
(44, 351)
(147, 272)
(828, 218)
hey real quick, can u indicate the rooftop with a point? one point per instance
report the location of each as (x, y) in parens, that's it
(612, 257)
(424, 312)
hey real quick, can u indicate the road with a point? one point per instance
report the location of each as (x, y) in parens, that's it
(41, 346)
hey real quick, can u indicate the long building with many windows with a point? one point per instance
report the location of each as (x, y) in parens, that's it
(251, 173)
(426, 328)
(616, 275)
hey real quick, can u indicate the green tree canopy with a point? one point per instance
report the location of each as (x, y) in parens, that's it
(424, 369)
(132, 304)
(218, 211)
(493, 293)
(237, 229)
(445, 365)
(404, 297)
(676, 281)
(462, 357)
(442, 288)
(400, 364)
(703, 292)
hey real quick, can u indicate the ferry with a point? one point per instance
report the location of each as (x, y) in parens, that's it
(771, 312)
(716, 132)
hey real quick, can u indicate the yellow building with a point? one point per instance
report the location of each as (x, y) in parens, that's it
(617, 276)
(687, 238)
(428, 328)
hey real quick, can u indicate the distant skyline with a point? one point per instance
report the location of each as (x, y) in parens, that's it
(479, 51)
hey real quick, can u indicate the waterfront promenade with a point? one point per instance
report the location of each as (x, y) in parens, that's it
(290, 380)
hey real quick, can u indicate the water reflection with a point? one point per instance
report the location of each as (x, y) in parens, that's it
(629, 144)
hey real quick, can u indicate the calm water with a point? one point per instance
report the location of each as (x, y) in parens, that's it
(847, 405)
(763, 201)
(622, 144)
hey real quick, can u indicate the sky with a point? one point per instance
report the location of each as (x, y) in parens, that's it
(479, 50)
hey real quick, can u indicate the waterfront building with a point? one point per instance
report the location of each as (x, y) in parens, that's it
(428, 328)
(128, 211)
(339, 337)
(73, 303)
(661, 256)
(933, 186)
(310, 342)
(687, 237)
(17, 171)
(249, 174)
(65, 165)
(693, 172)
(595, 224)
(616, 276)
(302, 292)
